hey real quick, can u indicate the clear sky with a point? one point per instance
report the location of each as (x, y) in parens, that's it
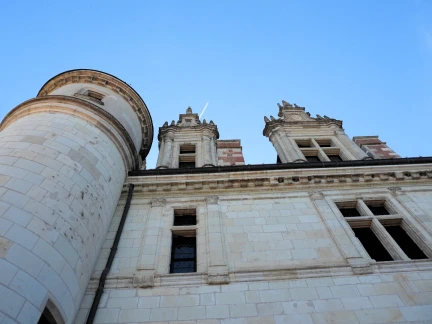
(366, 62)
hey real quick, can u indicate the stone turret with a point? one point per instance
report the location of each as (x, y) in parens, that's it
(298, 137)
(187, 143)
(64, 158)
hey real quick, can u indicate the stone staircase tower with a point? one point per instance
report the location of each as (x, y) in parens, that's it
(64, 157)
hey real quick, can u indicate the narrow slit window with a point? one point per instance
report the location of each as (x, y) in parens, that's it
(183, 254)
(405, 242)
(372, 244)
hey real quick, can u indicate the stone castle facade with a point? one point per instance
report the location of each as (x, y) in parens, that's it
(338, 230)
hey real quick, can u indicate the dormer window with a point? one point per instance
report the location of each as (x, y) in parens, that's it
(91, 95)
(187, 156)
(95, 95)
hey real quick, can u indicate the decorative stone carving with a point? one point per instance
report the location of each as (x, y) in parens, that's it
(158, 202)
(316, 195)
(396, 191)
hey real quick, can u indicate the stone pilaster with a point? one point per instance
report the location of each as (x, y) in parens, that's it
(340, 231)
(150, 243)
(167, 151)
(358, 153)
(218, 269)
(207, 151)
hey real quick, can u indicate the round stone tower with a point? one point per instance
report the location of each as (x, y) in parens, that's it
(64, 156)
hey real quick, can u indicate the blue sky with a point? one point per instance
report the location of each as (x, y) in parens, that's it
(368, 63)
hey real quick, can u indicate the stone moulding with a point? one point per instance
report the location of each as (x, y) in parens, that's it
(284, 179)
(84, 110)
(274, 274)
(114, 84)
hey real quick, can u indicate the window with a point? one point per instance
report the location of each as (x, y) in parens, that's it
(335, 157)
(91, 95)
(184, 217)
(183, 248)
(320, 149)
(187, 156)
(312, 159)
(50, 314)
(47, 317)
(385, 234)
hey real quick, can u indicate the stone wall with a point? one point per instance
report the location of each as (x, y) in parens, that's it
(60, 178)
(379, 298)
(375, 148)
(229, 152)
(290, 256)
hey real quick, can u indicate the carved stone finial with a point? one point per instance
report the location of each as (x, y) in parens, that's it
(189, 110)
(286, 104)
(272, 118)
(319, 117)
(173, 123)
(280, 107)
(211, 122)
(166, 123)
(266, 120)
(204, 122)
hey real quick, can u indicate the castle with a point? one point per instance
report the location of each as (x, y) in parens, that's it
(338, 230)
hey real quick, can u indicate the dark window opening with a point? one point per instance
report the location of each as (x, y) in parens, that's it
(349, 212)
(306, 143)
(95, 95)
(183, 254)
(405, 242)
(312, 159)
(303, 144)
(185, 165)
(378, 208)
(278, 160)
(184, 217)
(372, 245)
(47, 317)
(324, 142)
(335, 158)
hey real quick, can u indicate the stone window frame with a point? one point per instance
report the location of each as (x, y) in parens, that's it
(377, 224)
(315, 149)
(186, 156)
(187, 231)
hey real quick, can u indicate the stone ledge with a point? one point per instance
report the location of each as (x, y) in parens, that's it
(275, 274)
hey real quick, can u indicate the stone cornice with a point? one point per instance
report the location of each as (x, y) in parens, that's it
(283, 180)
(114, 84)
(82, 109)
(197, 128)
(316, 123)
